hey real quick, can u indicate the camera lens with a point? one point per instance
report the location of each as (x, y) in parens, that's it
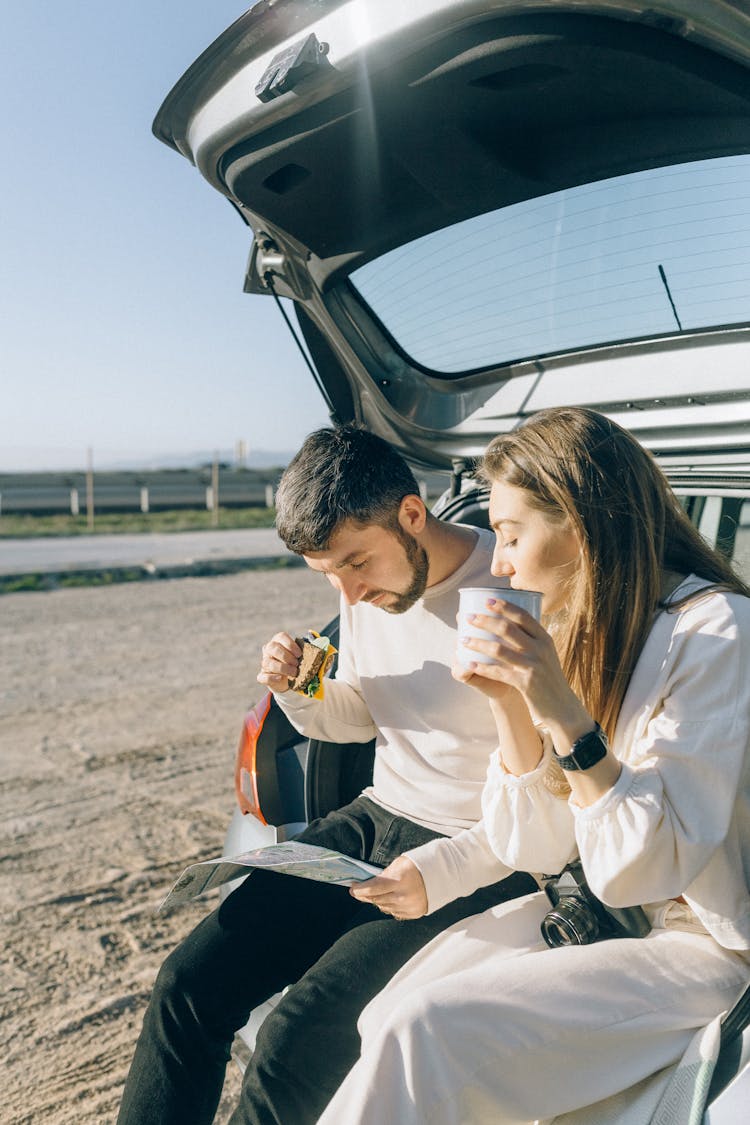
(571, 922)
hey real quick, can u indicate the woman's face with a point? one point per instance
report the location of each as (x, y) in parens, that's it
(530, 549)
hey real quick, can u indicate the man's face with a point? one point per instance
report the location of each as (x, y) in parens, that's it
(383, 566)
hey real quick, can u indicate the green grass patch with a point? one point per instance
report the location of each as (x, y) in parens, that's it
(24, 583)
(132, 523)
(33, 583)
(60, 580)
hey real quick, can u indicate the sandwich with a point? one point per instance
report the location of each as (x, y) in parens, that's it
(317, 657)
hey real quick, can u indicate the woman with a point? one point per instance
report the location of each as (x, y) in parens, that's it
(623, 730)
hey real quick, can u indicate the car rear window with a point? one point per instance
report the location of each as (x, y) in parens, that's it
(645, 254)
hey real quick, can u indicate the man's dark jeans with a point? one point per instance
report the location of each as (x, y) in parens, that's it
(277, 930)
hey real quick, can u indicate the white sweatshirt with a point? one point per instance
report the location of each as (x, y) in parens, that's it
(393, 683)
(677, 821)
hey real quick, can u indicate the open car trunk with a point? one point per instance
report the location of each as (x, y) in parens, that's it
(425, 180)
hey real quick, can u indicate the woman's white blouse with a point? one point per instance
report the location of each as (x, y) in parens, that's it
(676, 822)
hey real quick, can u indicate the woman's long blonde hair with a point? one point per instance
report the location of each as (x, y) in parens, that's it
(579, 466)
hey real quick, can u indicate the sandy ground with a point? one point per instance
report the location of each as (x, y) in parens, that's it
(120, 710)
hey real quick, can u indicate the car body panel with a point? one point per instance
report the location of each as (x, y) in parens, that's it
(729, 1104)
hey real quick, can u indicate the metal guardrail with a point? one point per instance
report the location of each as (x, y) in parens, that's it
(132, 493)
(65, 493)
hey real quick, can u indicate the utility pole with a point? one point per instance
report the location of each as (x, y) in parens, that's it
(90, 489)
(215, 491)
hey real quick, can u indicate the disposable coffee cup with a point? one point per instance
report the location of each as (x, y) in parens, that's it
(473, 599)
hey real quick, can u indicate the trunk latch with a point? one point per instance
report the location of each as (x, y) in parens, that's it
(287, 69)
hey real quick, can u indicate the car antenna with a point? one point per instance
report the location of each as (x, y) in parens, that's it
(665, 283)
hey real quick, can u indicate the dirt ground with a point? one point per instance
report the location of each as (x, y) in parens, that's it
(120, 709)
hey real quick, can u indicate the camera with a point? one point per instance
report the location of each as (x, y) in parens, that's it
(578, 917)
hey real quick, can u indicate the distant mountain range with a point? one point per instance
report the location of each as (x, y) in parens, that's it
(254, 459)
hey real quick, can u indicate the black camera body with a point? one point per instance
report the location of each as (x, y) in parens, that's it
(578, 917)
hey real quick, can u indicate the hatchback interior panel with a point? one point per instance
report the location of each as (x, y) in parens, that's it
(529, 107)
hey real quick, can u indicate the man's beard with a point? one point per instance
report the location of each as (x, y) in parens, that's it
(419, 563)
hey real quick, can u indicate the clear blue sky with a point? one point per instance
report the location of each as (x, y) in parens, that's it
(123, 325)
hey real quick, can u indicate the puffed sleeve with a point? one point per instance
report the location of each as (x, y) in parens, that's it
(528, 821)
(652, 834)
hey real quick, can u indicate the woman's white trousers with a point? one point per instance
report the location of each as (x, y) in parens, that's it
(487, 1026)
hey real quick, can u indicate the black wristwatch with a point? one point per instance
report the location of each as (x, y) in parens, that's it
(586, 751)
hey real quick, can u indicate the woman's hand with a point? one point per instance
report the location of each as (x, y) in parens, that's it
(525, 660)
(399, 891)
(495, 689)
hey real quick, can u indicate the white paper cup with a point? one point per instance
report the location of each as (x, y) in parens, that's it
(473, 599)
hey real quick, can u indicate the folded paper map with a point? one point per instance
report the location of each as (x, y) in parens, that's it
(306, 861)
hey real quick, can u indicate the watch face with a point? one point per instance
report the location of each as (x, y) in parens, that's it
(586, 751)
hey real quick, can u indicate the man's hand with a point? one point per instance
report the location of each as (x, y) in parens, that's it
(399, 891)
(279, 662)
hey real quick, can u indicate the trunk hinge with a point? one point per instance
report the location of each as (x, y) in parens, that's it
(270, 270)
(459, 468)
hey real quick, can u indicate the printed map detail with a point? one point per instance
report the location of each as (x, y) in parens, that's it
(306, 861)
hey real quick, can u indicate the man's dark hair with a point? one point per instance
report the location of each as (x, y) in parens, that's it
(340, 474)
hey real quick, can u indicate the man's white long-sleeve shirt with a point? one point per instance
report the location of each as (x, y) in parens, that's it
(393, 683)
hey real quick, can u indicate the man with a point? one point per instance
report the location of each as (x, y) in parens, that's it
(350, 506)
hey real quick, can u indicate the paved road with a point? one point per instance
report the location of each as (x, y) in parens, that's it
(153, 552)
